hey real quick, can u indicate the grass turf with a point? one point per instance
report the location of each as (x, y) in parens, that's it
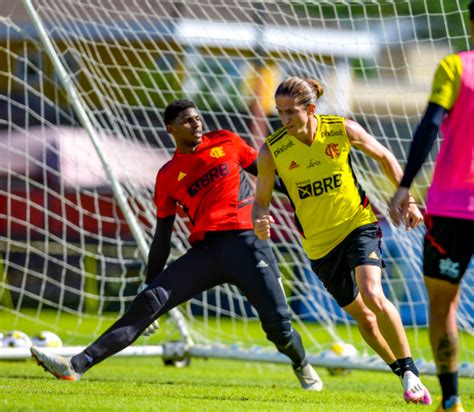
(142, 384)
(145, 384)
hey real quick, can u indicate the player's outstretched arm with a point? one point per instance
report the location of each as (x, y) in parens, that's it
(363, 141)
(157, 257)
(423, 140)
(159, 248)
(263, 195)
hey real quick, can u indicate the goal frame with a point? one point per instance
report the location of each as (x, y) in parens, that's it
(186, 348)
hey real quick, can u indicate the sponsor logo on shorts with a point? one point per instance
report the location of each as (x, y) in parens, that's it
(373, 255)
(449, 268)
(262, 264)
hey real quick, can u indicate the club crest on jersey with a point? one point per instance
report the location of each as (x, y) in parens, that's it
(293, 165)
(181, 176)
(332, 150)
(217, 152)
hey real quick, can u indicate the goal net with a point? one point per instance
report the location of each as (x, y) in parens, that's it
(83, 87)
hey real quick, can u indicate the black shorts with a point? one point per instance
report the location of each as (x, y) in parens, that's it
(336, 270)
(448, 247)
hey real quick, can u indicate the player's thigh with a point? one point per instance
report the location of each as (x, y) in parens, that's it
(336, 275)
(364, 257)
(187, 276)
(442, 294)
(448, 248)
(369, 280)
(251, 265)
(364, 247)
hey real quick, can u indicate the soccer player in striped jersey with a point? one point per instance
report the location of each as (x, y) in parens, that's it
(449, 239)
(205, 178)
(339, 231)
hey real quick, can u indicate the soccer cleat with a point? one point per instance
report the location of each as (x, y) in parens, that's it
(414, 390)
(456, 407)
(152, 328)
(57, 365)
(309, 378)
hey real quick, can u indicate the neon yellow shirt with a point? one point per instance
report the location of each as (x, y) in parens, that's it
(328, 202)
(446, 82)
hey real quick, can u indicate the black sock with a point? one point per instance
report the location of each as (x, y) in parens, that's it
(449, 384)
(407, 364)
(81, 362)
(294, 349)
(395, 367)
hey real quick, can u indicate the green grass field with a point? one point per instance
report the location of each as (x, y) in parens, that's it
(142, 384)
(145, 384)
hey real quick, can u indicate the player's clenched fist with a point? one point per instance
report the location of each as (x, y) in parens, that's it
(262, 226)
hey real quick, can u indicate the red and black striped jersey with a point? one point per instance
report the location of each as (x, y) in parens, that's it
(209, 184)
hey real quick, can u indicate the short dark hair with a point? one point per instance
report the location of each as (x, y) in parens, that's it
(471, 10)
(173, 110)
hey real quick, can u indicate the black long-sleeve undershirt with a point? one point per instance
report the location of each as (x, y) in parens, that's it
(423, 140)
(160, 248)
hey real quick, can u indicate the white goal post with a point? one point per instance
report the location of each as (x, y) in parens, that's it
(83, 86)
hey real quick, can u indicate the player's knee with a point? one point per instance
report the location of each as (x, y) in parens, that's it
(368, 322)
(280, 333)
(149, 302)
(374, 301)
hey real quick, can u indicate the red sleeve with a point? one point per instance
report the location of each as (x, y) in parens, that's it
(165, 204)
(247, 154)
